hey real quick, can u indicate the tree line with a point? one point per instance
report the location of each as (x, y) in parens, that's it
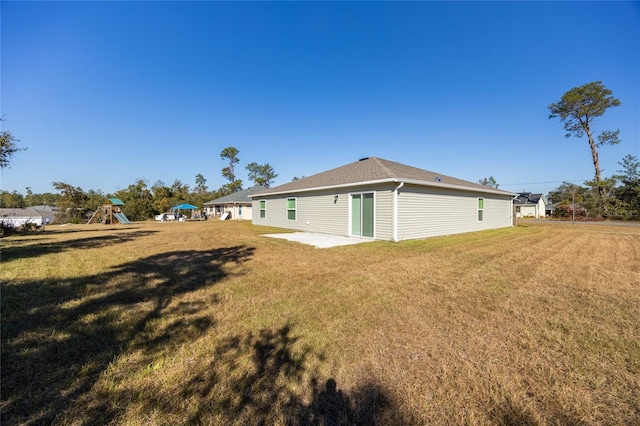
(141, 200)
(615, 198)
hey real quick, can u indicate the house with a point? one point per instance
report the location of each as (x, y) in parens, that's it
(38, 215)
(238, 204)
(550, 209)
(48, 213)
(527, 204)
(21, 216)
(384, 200)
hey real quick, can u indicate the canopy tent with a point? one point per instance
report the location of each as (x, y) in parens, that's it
(182, 207)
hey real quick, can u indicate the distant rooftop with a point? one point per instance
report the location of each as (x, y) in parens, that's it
(237, 197)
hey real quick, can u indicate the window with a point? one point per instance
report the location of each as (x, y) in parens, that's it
(263, 209)
(240, 210)
(480, 209)
(291, 208)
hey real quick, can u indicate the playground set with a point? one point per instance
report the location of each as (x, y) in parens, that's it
(110, 213)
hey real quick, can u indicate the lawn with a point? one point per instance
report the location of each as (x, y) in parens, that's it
(212, 323)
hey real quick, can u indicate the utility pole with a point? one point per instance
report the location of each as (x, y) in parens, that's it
(573, 205)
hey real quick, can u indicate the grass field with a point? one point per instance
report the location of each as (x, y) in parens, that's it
(212, 323)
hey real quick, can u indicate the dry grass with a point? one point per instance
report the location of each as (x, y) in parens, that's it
(211, 323)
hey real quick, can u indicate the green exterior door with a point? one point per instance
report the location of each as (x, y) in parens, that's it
(362, 215)
(356, 214)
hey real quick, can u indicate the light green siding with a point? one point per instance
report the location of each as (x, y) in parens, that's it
(422, 211)
(315, 212)
(322, 211)
(428, 212)
(383, 215)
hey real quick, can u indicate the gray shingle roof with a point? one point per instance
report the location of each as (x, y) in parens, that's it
(237, 197)
(372, 170)
(525, 198)
(12, 213)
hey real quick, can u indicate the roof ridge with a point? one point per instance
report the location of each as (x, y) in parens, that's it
(387, 170)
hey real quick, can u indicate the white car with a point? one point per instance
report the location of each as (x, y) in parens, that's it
(170, 216)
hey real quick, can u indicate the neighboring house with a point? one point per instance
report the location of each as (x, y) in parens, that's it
(550, 209)
(383, 200)
(527, 204)
(238, 204)
(48, 213)
(19, 217)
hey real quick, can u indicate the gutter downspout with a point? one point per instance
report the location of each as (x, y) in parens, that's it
(394, 214)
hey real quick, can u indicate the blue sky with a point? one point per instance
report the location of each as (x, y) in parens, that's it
(105, 93)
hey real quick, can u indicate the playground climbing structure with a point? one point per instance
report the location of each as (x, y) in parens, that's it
(110, 213)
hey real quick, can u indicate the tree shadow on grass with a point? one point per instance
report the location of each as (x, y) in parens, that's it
(268, 378)
(58, 336)
(38, 248)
